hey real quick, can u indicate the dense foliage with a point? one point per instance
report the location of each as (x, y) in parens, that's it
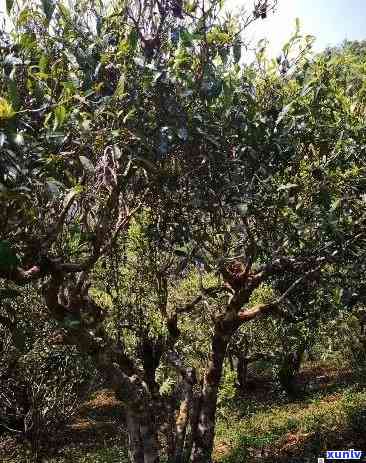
(166, 208)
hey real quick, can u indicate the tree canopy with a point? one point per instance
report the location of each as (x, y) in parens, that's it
(158, 194)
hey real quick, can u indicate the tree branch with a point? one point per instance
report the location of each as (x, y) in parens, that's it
(264, 309)
(212, 291)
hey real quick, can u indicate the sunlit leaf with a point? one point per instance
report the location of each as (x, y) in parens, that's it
(9, 5)
(243, 209)
(120, 89)
(60, 115)
(48, 8)
(129, 115)
(284, 112)
(297, 25)
(87, 164)
(6, 109)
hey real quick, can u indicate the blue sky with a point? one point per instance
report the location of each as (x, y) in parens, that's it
(330, 21)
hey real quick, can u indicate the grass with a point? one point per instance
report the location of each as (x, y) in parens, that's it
(299, 429)
(96, 436)
(262, 426)
(114, 454)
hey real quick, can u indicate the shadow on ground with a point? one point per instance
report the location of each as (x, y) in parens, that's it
(330, 415)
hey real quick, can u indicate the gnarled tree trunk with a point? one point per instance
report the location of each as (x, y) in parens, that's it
(242, 371)
(204, 436)
(149, 438)
(289, 369)
(135, 446)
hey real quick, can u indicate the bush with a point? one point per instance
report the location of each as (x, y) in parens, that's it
(42, 393)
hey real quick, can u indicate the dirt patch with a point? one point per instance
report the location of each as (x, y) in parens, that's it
(103, 404)
(99, 418)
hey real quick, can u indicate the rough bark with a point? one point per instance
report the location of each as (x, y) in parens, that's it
(149, 438)
(135, 447)
(204, 438)
(169, 431)
(118, 370)
(151, 352)
(289, 369)
(243, 362)
(193, 425)
(124, 378)
(181, 428)
(183, 415)
(242, 371)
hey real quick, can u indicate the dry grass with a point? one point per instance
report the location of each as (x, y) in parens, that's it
(332, 415)
(259, 426)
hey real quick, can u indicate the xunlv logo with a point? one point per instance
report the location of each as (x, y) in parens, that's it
(344, 454)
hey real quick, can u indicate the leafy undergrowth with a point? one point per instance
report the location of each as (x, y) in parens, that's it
(264, 426)
(97, 435)
(259, 426)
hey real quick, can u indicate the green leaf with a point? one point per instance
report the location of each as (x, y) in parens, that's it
(335, 205)
(54, 187)
(120, 89)
(9, 6)
(60, 115)
(128, 116)
(305, 90)
(65, 12)
(287, 186)
(132, 40)
(286, 48)
(71, 323)
(87, 164)
(283, 113)
(237, 51)
(85, 125)
(182, 251)
(13, 93)
(297, 25)
(8, 258)
(9, 293)
(243, 209)
(19, 139)
(6, 109)
(43, 63)
(338, 295)
(48, 8)
(217, 61)
(69, 196)
(186, 38)
(209, 137)
(167, 386)
(19, 339)
(117, 153)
